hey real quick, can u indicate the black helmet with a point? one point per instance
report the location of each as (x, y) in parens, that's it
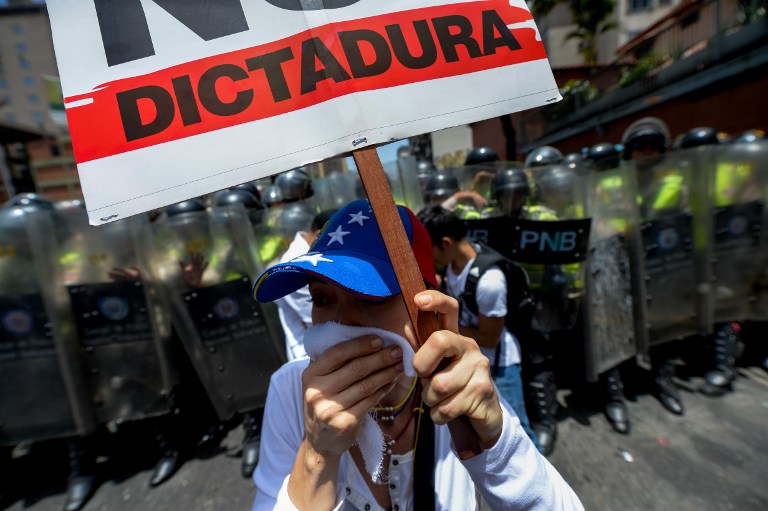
(424, 170)
(480, 155)
(749, 137)
(543, 156)
(187, 206)
(650, 131)
(294, 185)
(603, 156)
(238, 195)
(30, 202)
(511, 190)
(273, 196)
(249, 187)
(698, 137)
(557, 180)
(573, 159)
(512, 178)
(295, 217)
(441, 184)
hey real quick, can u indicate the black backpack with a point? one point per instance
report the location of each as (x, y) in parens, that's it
(520, 302)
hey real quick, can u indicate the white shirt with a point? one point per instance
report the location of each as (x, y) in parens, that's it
(491, 297)
(295, 309)
(511, 475)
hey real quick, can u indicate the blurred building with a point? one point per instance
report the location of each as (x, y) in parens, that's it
(26, 56)
(15, 170)
(30, 100)
(703, 63)
(629, 18)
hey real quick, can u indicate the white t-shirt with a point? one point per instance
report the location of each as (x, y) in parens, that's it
(491, 297)
(510, 475)
(295, 309)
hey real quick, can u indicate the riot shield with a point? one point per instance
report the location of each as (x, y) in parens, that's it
(614, 318)
(759, 306)
(674, 287)
(279, 227)
(404, 182)
(336, 189)
(42, 391)
(121, 322)
(207, 259)
(736, 179)
(477, 178)
(550, 243)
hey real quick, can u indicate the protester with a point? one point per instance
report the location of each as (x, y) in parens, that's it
(473, 275)
(318, 422)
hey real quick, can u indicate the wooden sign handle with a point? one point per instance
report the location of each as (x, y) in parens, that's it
(408, 275)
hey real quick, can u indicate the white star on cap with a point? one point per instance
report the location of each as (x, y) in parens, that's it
(313, 258)
(358, 218)
(337, 235)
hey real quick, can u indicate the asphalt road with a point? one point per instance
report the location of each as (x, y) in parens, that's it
(713, 458)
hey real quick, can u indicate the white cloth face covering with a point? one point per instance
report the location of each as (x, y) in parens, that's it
(319, 338)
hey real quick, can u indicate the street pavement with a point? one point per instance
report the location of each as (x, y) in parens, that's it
(714, 458)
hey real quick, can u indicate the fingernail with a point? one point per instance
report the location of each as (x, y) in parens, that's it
(376, 342)
(397, 353)
(399, 366)
(424, 299)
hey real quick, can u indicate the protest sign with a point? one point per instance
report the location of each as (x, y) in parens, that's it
(172, 99)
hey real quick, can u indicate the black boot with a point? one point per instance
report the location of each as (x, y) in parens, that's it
(615, 407)
(168, 462)
(664, 388)
(727, 347)
(542, 395)
(251, 441)
(82, 482)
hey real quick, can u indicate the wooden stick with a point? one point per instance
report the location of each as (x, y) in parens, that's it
(408, 275)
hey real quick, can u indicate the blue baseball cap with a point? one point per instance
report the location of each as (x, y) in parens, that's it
(349, 252)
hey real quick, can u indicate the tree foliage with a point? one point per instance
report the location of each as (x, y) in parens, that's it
(591, 18)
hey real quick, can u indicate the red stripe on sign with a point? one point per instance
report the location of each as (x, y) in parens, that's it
(297, 72)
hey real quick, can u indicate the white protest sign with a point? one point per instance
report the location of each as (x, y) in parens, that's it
(171, 99)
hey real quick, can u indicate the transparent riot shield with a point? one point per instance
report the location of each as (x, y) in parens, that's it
(336, 189)
(614, 309)
(672, 255)
(404, 183)
(759, 305)
(477, 180)
(121, 321)
(279, 227)
(736, 180)
(549, 241)
(208, 260)
(42, 391)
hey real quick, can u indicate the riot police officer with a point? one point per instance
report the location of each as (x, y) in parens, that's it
(294, 185)
(35, 346)
(424, 171)
(441, 186)
(610, 216)
(603, 156)
(543, 156)
(734, 185)
(481, 156)
(662, 194)
(443, 189)
(207, 261)
(511, 192)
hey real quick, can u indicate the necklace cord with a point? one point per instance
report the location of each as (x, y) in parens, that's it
(399, 405)
(418, 410)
